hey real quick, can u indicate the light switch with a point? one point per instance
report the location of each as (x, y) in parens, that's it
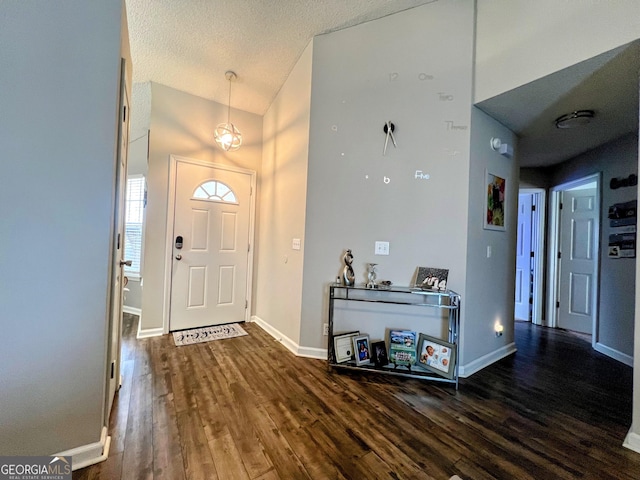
(382, 248)
(295, 244)
(488, 251)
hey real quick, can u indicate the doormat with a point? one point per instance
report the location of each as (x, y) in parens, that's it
(206, 334)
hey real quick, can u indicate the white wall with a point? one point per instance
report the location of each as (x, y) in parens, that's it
(519, 41)
(413, 68)
(139, 122)
(58, 128)
(283, 188)
(490, 280)
(616, 308)
(133, 294)
(137, 165)
(183, 125)
(139, 129)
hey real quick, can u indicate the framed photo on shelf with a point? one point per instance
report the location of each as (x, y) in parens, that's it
(495, 194)
(402, 347)
(379, 354)
(436, 355)
(362, 349)
(343, 346)
(429, 278)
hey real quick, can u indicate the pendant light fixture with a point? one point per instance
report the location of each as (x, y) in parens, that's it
(227, 136)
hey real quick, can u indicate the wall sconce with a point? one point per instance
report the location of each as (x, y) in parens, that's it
(502, 148)
(498, 329)
(227, 136)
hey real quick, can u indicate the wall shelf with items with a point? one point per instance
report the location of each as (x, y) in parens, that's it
(447, 300)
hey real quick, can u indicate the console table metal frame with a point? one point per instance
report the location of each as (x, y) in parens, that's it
(448, 300)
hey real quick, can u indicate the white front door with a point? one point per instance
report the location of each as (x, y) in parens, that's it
(210, 246)
(578, 259)
(523, 258)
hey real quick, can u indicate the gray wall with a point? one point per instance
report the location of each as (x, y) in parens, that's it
(59, 86)
(616, 159)
(413, 68)
(533, 177)
(490, 280)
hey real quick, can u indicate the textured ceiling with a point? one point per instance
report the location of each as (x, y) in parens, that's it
(189, 44)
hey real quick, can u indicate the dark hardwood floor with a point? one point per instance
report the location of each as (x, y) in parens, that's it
(246, 408)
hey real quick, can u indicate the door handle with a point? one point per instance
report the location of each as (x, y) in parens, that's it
(128, 263)
(178, 257)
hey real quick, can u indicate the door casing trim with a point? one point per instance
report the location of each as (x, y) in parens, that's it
(168, 265)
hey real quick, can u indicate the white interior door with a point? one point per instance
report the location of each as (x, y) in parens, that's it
(210, 269)
(578, 259)
(523, 258)
(117, 269)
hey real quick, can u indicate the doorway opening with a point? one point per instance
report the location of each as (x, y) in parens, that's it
(573, 255)
(530, 255)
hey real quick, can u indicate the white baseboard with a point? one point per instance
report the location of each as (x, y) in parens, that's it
(89, 454)
(132, 310)
(310, 352)
(486, 360)
(632, 441)
(615, 354)
(293, 347)
(149, 332)
(321, 353)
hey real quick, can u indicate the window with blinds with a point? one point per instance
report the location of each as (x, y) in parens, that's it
(134, 217)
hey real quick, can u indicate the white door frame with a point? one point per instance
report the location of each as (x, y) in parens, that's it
(168, 263)
(537, 246)
(554, 247)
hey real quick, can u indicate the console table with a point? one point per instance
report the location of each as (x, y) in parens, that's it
(447, 300)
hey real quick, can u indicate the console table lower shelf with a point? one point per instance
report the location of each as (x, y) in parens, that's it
(400, 371)
(448, 301)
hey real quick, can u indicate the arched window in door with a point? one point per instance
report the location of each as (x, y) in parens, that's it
(214, 191)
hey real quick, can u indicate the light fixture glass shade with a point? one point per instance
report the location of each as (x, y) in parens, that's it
(575, 119)
(228, 137)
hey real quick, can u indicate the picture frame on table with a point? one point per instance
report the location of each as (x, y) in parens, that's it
(362, 349)
(436, 355)
(379, 354)
(343, 346)
(495, 195)
(402, 348)
(428, 278)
